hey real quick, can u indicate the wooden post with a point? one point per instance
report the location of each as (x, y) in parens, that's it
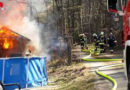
(69, 41)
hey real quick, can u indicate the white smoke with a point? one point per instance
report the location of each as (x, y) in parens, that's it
(30, 30)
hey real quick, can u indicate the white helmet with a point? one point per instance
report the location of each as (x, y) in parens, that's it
(94, 34)
(102, 33)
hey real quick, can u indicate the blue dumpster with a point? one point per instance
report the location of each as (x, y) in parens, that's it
(27, 72)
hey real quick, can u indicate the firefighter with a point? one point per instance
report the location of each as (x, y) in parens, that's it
(111, 42)
(95, 37)
(102, 42)
(96, 44)
(82, 40)
(95, 40)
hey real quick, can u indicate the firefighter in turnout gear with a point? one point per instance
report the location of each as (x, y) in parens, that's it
(96, 41)
(111, 42)
(102, 42)
(82, 38)
(96, 45)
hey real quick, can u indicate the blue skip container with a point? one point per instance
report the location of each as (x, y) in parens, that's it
(27, 72)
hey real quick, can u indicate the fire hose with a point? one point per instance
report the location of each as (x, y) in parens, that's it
(109, 66)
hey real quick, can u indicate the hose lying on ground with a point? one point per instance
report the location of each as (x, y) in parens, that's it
(100, 60)
(109, 78)
(101, 74)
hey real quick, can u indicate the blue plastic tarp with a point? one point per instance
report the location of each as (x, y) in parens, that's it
(27, 72)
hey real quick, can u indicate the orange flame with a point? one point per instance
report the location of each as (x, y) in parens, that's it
(7, 44)
(5, 32)
(6, 36)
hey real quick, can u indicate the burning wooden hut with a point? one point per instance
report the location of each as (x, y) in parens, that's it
(12, 44)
